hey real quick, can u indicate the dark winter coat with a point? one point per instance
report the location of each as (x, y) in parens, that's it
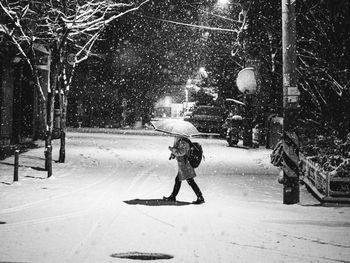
(179, 150)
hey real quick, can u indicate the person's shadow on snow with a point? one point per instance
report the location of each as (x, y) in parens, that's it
(155, 202)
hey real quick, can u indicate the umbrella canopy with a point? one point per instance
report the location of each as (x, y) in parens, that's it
(175, 127)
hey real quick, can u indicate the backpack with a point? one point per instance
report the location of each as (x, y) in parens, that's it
(195, 154)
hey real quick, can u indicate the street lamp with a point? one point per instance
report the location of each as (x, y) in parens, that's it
(203, 73)
(246, 80)
(223, 3)
(247, 84)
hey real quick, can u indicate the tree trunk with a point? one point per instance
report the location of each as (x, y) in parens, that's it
(63, 121)
(50, 114)
(49, 128)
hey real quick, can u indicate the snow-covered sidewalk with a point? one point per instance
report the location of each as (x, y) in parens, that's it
(106, 199)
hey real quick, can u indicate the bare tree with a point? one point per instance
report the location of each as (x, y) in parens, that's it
(68, 29)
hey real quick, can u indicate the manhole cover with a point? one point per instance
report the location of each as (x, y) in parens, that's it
(142, 256)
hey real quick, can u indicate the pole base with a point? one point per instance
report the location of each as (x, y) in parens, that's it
(291, 191)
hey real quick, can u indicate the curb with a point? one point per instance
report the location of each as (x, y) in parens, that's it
(145, 131)
(118, 131)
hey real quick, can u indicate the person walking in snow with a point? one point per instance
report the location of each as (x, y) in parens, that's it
(185, 171)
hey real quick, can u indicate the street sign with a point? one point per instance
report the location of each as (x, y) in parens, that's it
(293, 91)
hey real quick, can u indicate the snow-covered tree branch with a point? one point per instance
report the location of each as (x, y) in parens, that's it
(56, 24)
(65, 28)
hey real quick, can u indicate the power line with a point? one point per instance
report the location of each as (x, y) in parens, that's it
(192, 25)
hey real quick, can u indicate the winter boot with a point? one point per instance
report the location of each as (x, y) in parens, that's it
(176, 190)
(200, 200)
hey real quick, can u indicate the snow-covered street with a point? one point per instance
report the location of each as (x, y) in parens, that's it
(106, 199)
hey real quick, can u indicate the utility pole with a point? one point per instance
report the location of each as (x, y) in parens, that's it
(290, 177)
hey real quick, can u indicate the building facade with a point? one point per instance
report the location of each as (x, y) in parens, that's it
(21, 111)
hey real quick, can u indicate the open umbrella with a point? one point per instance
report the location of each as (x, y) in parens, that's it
(175, 127)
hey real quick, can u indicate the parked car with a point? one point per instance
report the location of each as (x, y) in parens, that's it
(207, 119)
(187, 115)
